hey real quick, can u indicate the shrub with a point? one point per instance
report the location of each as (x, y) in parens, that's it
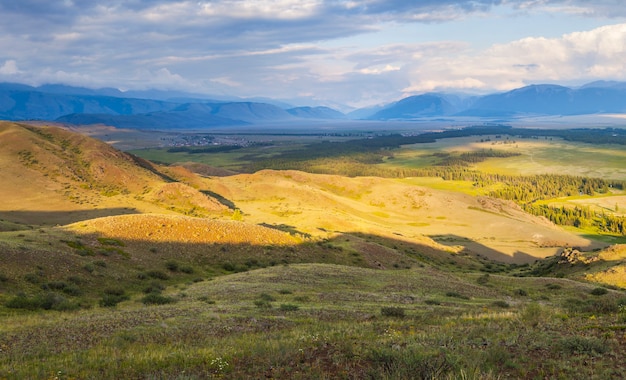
(109, 241)
(500, 303)
(188, 269)
(594, 306)
(115, 291)
(289, 307)
(21, 301)
(263, 304)
(230, 267)
(89, 268)
(583, 345)
(552, 286)
(432, 302)
(46, 301)
(457, 295)
(521, 292)
(267, 297)
(482, 280)
(156, 299)
(154, 287)
(409, 364)
(599, 291)
(33, 278)
(72, 290)
(111, 300)
(391, 311)
(172, 266)
(158, 275)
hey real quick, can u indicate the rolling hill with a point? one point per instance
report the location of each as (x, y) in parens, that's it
(284, 274)
(53, 176)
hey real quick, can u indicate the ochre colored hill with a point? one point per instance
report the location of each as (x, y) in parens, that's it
(50, 175)
(181, 229)
(398, 208)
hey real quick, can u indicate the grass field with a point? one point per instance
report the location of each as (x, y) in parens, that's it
(555, 156)
(324, 321)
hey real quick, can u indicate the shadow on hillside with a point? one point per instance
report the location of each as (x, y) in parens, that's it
(224, 201)
(53, 218)
(476, 249)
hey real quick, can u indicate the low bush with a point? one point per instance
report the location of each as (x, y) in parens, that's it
(392, 311)
(583, 345)
(156, 299)
(158, 275)
(500, 303)
(552, 286)
(154, 287)
(592, 306)
(457, 295)
(289, 307)
(172, 266)
(484, 279)
(521, 292)
(46, 301)
(599, 291)
(111, 300)
(263, 304)
(432, 302)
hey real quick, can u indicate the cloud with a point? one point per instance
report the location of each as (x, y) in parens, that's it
(595, 8)
(9, 68)
(581, 56)
(281, 48)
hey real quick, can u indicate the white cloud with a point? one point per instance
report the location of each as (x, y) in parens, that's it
(282, 48)
(581, 56)
(9, 68)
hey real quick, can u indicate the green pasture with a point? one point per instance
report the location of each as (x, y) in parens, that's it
(233, 160)
(537, 156)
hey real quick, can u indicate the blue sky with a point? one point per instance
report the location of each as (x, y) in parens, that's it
(331, 52)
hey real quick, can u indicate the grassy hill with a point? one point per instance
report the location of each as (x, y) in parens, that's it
(114, 267)
(333, 321)
(52, 176)
(405, 209)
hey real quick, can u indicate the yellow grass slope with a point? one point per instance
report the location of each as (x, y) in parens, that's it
(181, 229)
(50, 175)
(394, 208)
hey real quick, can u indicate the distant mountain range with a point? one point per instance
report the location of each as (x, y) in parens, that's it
(176, 110)
(544, 99)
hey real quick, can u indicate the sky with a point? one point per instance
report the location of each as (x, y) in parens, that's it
(341, 53)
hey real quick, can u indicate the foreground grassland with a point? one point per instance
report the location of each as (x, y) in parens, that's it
(326, 321)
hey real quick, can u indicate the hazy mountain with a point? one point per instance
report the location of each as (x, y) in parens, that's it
(157, 109)
(19, 102)
(551, 100)
(415, 107)
(605, 84)
(316, 113)
(543, 99)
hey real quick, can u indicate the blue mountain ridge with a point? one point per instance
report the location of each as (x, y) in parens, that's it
(110, 106)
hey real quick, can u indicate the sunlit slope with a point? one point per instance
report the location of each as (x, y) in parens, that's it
(158, 228)
(396, 208)
(50, 175)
